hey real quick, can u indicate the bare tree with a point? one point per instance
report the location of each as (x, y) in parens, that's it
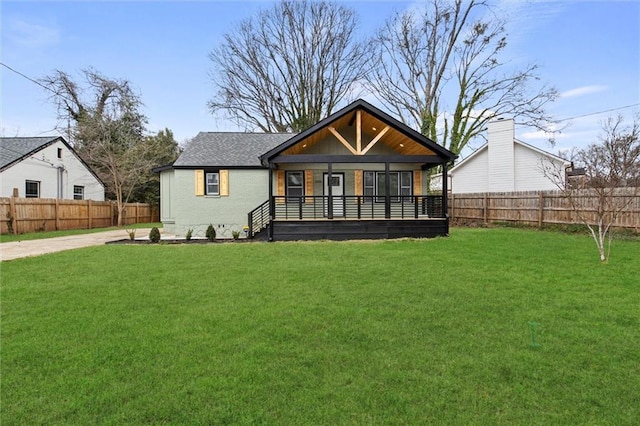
(103, 122)
(611, 178)
(288, 67)
(446, 52)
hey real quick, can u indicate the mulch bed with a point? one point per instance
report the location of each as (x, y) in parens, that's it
(179, 241)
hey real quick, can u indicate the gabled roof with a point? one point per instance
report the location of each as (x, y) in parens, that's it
(373, 115)
(228, 149)
(515, 141)
(14, 150)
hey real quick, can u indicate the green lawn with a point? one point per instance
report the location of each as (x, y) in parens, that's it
(386, 332)
(7, 238)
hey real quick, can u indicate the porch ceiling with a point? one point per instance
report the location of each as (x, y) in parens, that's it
(370, 127)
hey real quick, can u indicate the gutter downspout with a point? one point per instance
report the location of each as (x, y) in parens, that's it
(61, 170)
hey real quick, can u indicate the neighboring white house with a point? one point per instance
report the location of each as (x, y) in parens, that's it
(45, 167)
(503, 164)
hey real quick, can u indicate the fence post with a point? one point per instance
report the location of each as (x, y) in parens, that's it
(540, 209)
(453, 207)
(57, 214)
(137, 212)
(89, 214)
(485, 207)
(14, 212)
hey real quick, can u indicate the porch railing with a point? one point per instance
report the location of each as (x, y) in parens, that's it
(357, 207)
(258, 219)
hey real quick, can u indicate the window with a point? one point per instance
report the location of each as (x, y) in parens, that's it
(78, 192)
(295, 185)
(212, 186)
(369, 183)
(59, 152)
(374, 185)
(32, 189)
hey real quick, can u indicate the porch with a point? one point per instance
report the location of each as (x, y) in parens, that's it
(348, 217)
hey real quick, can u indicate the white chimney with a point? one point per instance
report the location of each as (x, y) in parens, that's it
(500, 137)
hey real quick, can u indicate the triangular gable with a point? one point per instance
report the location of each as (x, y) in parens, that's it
(368, 126)
(16, 149)
(541, 152)
(46, 142)
(477, 152)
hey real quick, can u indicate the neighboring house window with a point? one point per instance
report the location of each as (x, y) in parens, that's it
(32, 189)
(59, 152)
(295, 185)
(399, 184)
(212, 186)
(78, 192)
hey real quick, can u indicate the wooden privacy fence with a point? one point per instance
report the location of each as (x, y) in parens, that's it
(539, 208)
(23, 215)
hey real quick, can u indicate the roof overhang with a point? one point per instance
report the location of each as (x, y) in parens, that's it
(358, 128)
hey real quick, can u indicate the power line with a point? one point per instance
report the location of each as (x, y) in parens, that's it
(29, 78)
(600, 112)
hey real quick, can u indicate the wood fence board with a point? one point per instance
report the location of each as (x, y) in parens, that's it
(538, 208)
(38, 214)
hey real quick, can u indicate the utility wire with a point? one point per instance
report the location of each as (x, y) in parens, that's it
(560, 120)
(29, 78)
(600, 112)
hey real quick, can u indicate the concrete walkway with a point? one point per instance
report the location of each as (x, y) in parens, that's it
(20, 249)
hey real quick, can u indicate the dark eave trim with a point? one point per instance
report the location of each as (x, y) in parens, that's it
(209, 166)
(361, 104)
(53, 140)
(161, 169)
(33, 151)
(359, 159)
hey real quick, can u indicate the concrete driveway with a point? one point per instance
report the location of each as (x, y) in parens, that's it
(20, 249)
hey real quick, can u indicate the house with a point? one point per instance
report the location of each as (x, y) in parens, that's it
(503, 164)
(359, 173)
(46, 167)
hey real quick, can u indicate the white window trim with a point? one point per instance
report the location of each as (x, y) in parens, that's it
(216, 184)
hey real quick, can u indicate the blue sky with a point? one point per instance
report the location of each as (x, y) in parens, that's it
(588, 50)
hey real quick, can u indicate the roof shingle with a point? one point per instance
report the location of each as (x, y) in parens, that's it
(13, 149)
(229, 149)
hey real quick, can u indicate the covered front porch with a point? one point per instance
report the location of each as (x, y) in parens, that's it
(348, 217)
(359, 174)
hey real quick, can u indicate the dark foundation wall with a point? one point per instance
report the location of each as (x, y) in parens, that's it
(358, 230)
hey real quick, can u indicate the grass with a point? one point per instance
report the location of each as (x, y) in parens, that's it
(8, 238)
(385, 332)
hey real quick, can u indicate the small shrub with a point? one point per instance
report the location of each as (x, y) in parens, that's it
(211, 233)
(189, 234)
(235, 234)
(131, 233)
(154, 235)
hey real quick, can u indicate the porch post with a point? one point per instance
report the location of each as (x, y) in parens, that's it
(272, 206)
(387, 191)
(330, 191)
(445, 191)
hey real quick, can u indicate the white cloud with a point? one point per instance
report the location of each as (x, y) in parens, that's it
(32, 35)
(584, 90)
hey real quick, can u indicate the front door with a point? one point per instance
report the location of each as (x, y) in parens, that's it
(337, 191)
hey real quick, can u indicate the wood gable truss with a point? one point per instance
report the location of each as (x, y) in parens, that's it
(358, 129)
